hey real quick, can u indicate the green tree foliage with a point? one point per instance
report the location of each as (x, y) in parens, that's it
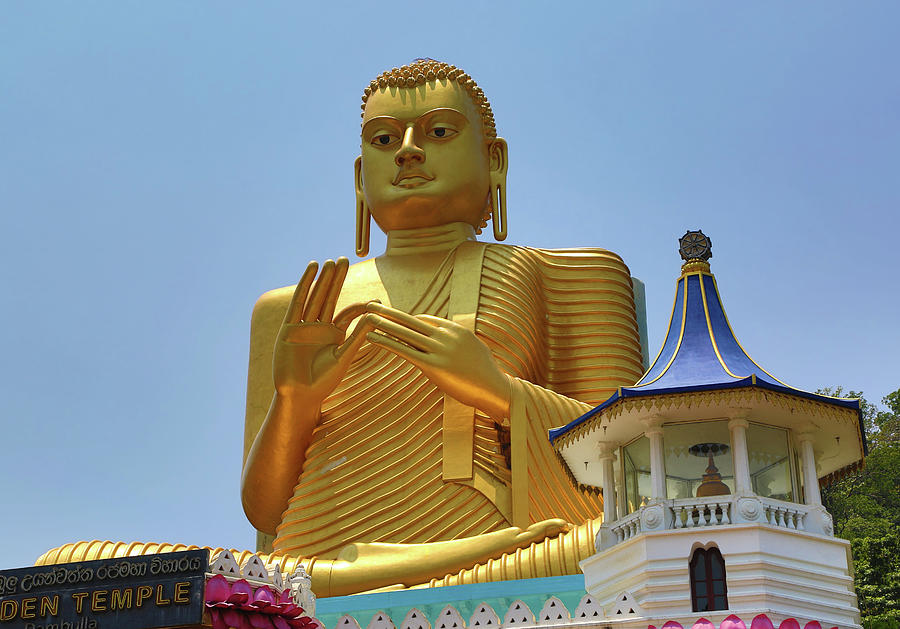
(866, 511)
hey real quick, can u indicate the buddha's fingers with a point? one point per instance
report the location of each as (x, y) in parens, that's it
(412, 355)
(437, 322)
(396, 331)
(313, 308)
(343, 319)
(402, 350)
(553, 556)
(544, 528)
(412, 322)
(295, 310)
(340, 273)
(351, 345)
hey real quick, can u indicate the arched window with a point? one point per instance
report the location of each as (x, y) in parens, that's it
(708, 591)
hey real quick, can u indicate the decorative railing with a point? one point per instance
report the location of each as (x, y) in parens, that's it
(627, 527)
(686, 513)
(785, 514)
(693, 512)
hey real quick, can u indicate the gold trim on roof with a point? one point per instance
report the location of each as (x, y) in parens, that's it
(680, 334)
(709, 330)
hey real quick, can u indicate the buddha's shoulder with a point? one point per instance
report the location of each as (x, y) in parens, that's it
(593, 259)
(272, 305)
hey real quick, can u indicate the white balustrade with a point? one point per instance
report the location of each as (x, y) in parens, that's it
(787, 515)
(715, 511)
(694, 512)
(627, 527)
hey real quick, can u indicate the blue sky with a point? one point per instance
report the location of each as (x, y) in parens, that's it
(163, 164)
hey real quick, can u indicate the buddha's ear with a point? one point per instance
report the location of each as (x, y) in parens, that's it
(498, 153)
(497, 198)
(357, 175)
(362, 211)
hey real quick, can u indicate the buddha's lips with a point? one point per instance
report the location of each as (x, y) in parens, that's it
(411, 178)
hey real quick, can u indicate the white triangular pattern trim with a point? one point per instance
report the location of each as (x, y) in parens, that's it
(518, 615)
(553, 612)
(484, 616)
(415, 619)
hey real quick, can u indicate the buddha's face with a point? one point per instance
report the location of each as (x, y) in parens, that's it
(425, 160)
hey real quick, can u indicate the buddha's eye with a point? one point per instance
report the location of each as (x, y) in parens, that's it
(384, 139)
(441, 132)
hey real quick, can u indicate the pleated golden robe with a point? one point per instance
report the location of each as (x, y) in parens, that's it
(394, 460)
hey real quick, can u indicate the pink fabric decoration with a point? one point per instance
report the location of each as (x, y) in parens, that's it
(240, 605)
(241, 592)
(703, 623)
(217, 621)
(762, 622)
(260, 621)
(789, 623)
(732, 622)
(232, 618)
(264, 594)
(217, 589)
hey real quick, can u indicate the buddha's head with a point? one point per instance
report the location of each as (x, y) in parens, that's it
(430, 153)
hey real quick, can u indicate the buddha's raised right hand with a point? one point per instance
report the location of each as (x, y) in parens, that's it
(312, 354)
(311, 351)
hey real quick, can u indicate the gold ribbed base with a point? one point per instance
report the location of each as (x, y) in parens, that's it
(554, 556)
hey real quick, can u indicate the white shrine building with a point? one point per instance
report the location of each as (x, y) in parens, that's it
(710, 469)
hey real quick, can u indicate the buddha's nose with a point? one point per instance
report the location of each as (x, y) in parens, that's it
(409, 151)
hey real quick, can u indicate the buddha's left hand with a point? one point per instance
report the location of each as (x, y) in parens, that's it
(449, 355)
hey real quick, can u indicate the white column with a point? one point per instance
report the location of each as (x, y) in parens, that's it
(607, 457)
(621, 500)
(740, 456)
(657, 460)
(808, 463)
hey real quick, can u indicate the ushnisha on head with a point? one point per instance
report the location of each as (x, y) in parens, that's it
(430, 154)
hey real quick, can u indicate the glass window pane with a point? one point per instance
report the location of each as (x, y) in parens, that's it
(688, 448)
(636, 458)
(699, 588)
(700, 567)
(770, 463)
(716, 567)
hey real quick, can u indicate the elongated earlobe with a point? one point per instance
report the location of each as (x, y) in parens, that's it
(498, 210)
(363, 216)
(499, 165)
(362, 229)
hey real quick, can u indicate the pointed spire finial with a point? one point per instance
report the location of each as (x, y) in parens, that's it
(695, 248)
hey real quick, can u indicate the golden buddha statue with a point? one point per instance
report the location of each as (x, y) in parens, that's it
(403, 440)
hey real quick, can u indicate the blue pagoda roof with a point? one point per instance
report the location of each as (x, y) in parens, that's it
(700, 352)
(700, 347)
